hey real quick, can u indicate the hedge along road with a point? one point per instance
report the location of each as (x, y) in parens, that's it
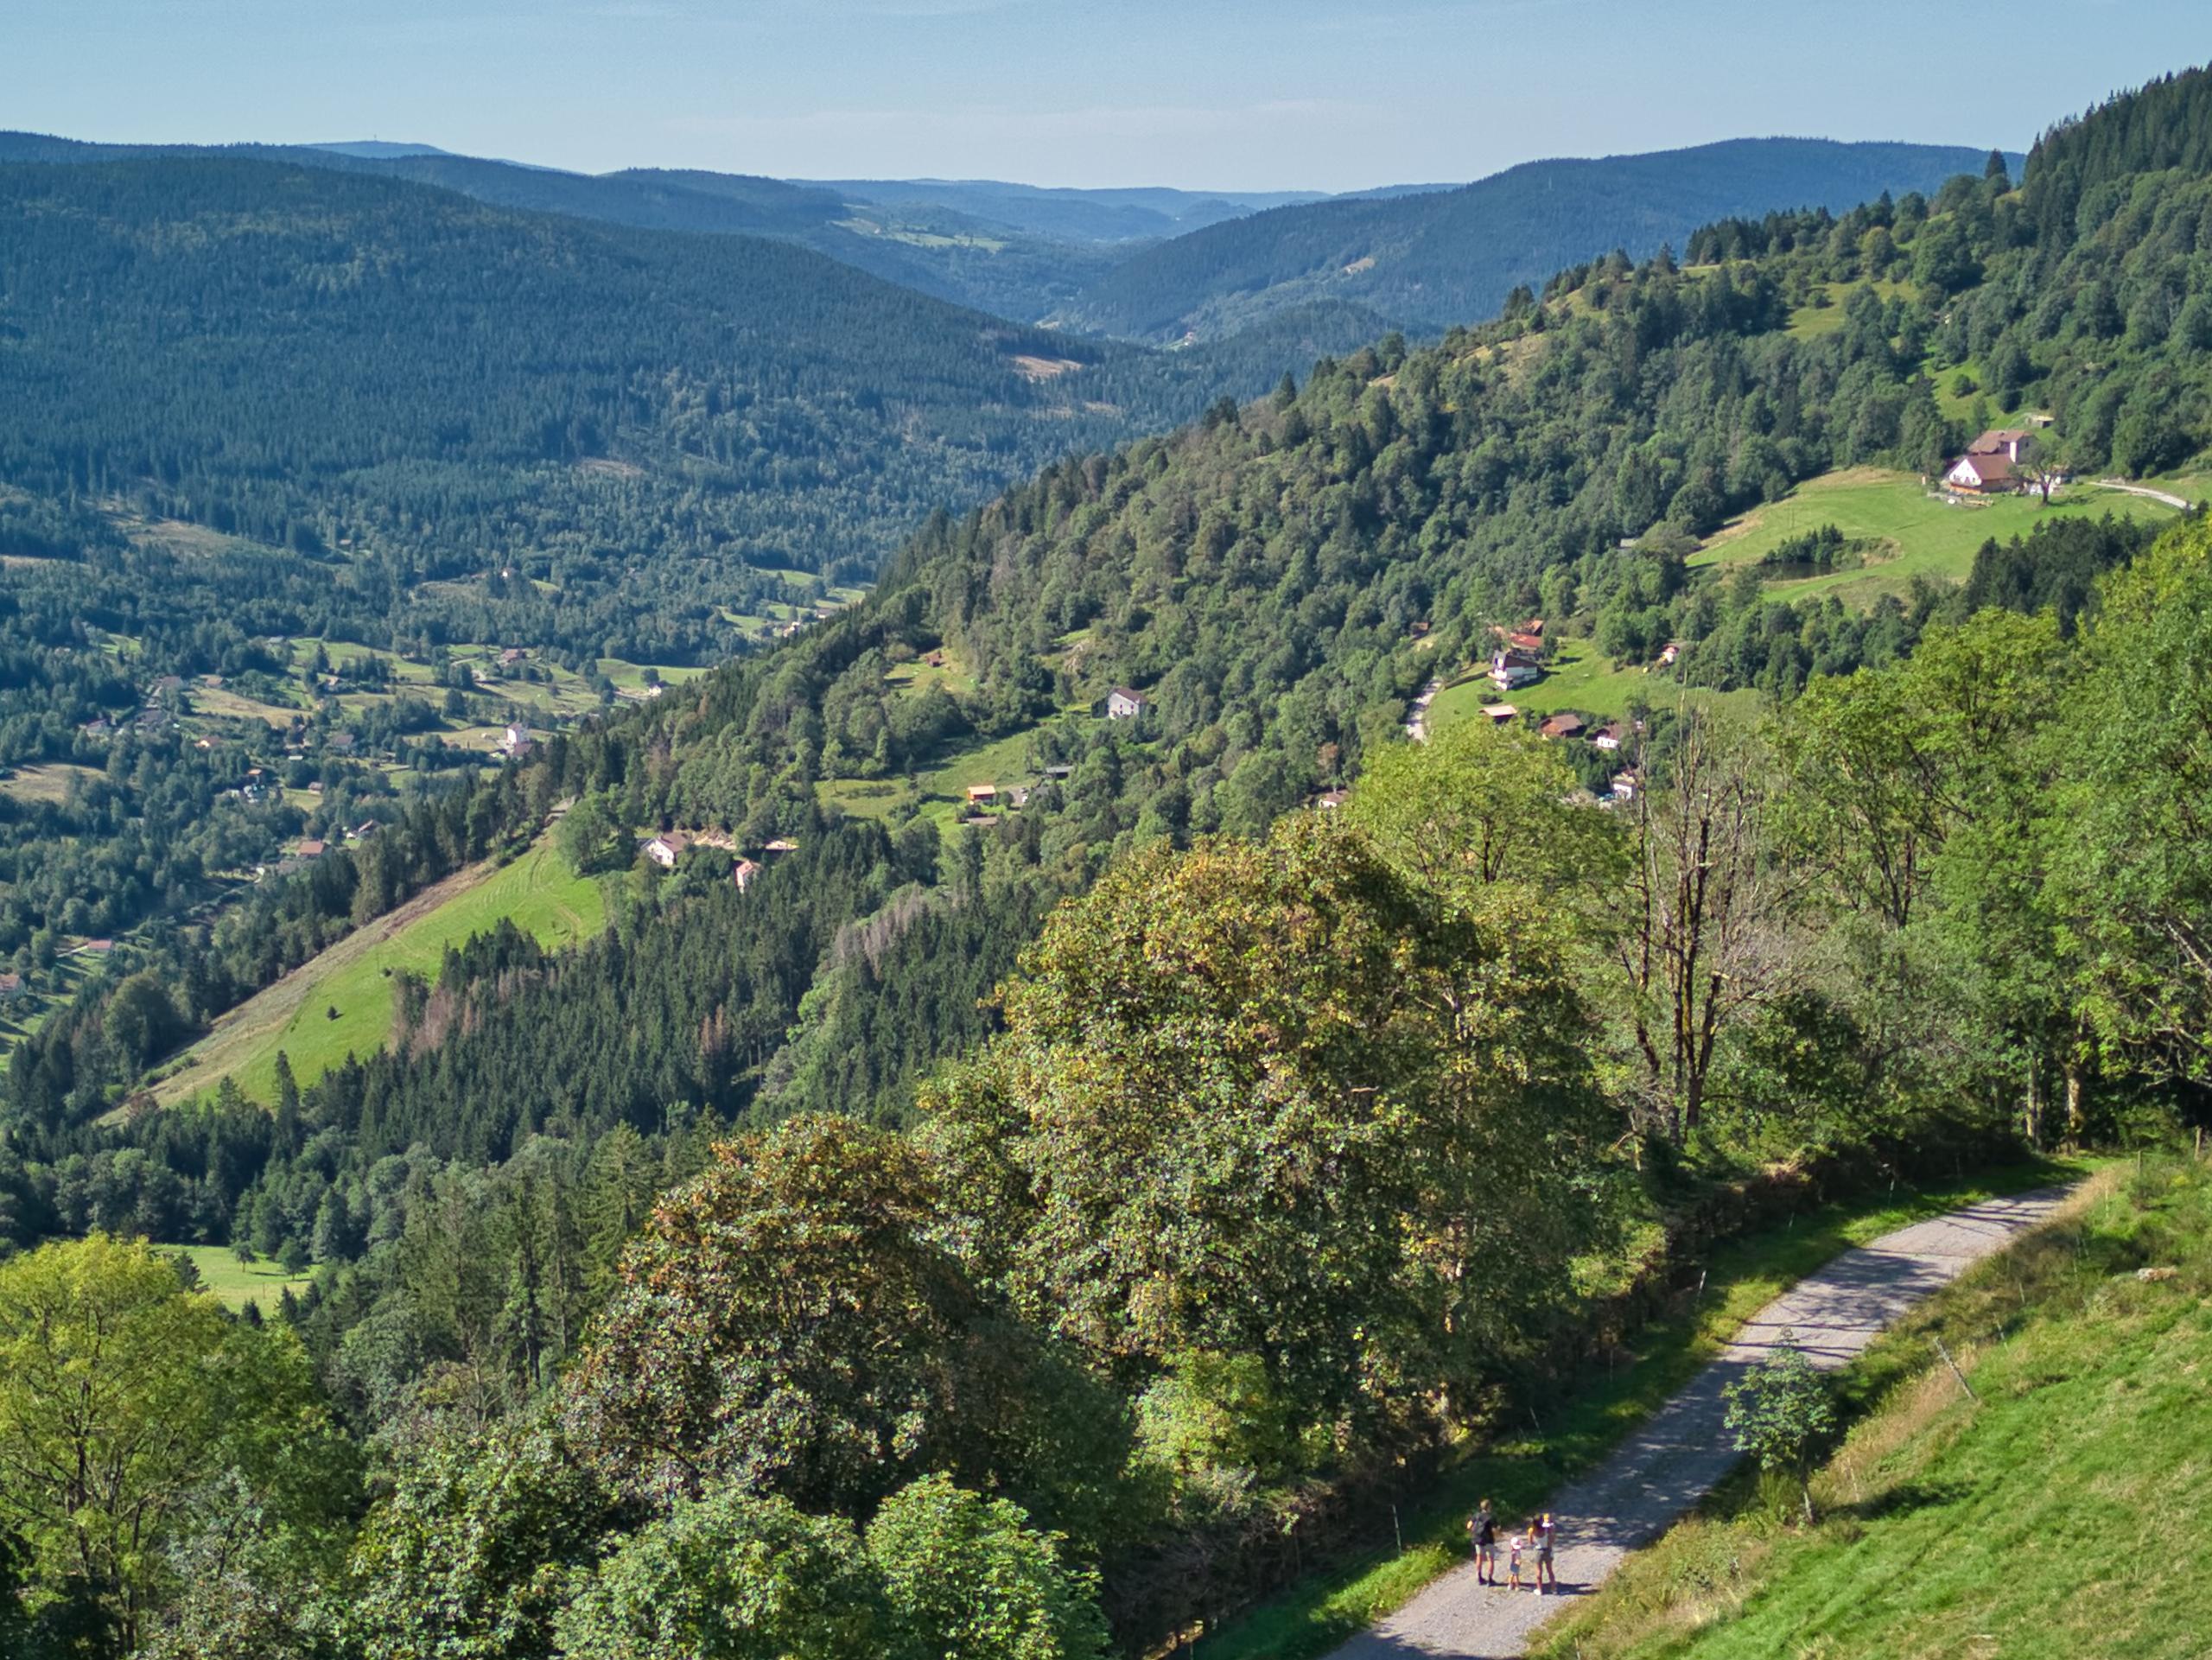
(1684, 1449)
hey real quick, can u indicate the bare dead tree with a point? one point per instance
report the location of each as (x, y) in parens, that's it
(1711, 932)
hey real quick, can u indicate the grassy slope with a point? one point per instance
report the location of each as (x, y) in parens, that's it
(1580, 679)
(239, 1283)
(1929, 538)
(1588, 1422)
(538, 892)
(2060, 1514)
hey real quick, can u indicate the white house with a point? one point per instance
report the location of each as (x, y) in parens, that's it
(1509, 669)
(1122, 704)
(517, 740)
(1983, 475)
(667, 848)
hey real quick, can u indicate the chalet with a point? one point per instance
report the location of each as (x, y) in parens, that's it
(1624, 787)
(512, 655)
(97, 947)
(1500, 713)
(1122, 704)
(311, 848)
(746, 869)
(166, 685)
(341, 743)
(12, 988)
(982, 795)
(1606, 737)
(363, 830)
(2013, 443)
(96, 728)
(1983, 475)
(516, 741)
(1332, 799)
(667, 848)
(1059, 773)
(1562, 725)
(1509, 669)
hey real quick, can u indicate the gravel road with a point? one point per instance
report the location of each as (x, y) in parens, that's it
(1683, 1449)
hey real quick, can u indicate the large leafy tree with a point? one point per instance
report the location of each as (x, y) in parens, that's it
(787, 1322)
(733, 1576)
(1260, 1099)
(124, 1399)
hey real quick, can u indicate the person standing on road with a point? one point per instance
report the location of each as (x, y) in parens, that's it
(1545, 1529)
(1482, 1527)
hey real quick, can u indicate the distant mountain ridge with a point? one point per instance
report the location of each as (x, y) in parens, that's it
(1425, 260)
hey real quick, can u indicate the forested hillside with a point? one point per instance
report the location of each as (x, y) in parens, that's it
(1428, 260)
(1141, 1158)
(415, 388)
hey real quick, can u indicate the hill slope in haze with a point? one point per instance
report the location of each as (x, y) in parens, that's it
(632, 418)
(1426, 260)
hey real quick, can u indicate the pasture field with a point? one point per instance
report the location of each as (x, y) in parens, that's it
(238, 1283)
(1920, 535)
(355, 977)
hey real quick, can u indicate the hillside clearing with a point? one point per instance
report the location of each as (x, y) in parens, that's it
(1919, 535)
(536, 892)
(49, 782)
(235, 1283)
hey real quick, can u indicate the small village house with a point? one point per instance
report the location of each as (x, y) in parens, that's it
(1606, 737)
(1500, 713)
(1122, 704)
(1565, 724)
(313, 848)
(982, 795)
(517, 740)
(1509, 669)
(12, 987)
(743, 873)
(667, 848)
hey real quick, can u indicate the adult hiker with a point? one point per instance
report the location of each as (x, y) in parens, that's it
(1545, 1529)
(1482, 1527)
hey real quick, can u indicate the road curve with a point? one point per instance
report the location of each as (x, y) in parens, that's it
(1683, 1450)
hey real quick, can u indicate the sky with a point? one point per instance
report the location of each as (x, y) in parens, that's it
(1203, 94)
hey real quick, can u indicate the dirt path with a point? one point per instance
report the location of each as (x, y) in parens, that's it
(1417, 721)
(1683, 1450)
(2145, 490)
(268, 1009)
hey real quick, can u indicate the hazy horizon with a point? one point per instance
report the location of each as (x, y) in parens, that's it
(1232, 97)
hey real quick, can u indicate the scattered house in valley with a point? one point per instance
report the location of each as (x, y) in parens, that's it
(1060, 774)
(517, 740)
(12, 988)
(1018, 796)
(512, 655)
(1668, 652)
(1624, 787)
(1982, 475)
(1527, 645)
(667, 848)
(935, 659)
(97, 947)
(1565, 724)
(1419, 630)
(1607, 737)
(312, 848)
(982, 795)
(341, 743)
(205, 743)
(166, 685)
(746, 870)
(99, 729)
(1332, 799)
(1994, 463)
(1122, 704)
(1509, 669)
(315, 788)
(363, 830)
(1500, 713)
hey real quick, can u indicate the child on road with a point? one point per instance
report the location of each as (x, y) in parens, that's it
(1519, 1544)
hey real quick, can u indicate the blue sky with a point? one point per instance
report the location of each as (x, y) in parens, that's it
(1218, 93)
